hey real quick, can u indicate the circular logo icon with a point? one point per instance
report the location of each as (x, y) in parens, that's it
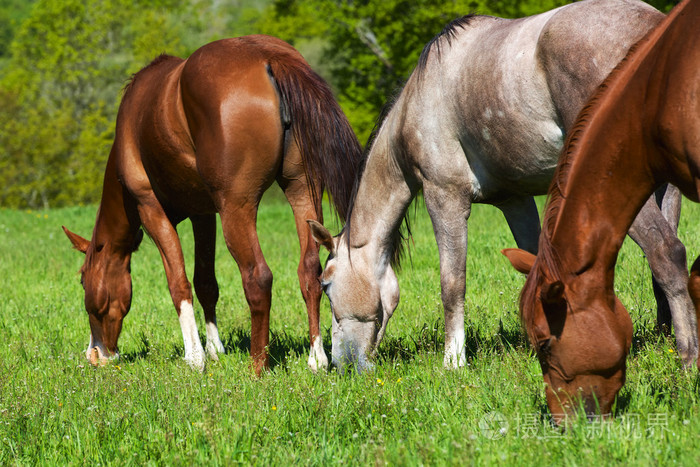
(493, 425)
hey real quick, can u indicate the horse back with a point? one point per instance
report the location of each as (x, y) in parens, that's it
(510, 89)
(234, 112)
(583, 42)
(153, 149)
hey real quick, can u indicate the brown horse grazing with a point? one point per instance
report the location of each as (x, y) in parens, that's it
(641, 129)
(205, 135)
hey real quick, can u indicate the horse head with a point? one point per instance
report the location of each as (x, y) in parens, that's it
(106, 279)
(362, 299)
(581, 336)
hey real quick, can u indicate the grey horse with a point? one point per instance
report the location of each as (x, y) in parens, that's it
(482, 120)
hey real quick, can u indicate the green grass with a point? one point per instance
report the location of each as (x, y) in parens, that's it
(150, 408)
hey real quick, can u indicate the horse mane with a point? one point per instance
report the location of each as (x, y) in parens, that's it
(547, 262)
(572, 146)
(398, 243)
(400, 236)
(156, 61)
(449, 32)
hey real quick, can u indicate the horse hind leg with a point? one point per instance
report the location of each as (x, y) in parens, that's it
(238, 220)
(668, 198)
(205, 284)
(293, 182)
(667, 260)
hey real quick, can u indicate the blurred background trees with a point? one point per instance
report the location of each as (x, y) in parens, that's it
(63, 64)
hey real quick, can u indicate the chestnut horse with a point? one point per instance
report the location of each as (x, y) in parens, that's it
(482, 119)
(641, 130)
(210, 134)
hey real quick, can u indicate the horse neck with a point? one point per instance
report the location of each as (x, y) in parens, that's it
(607, 185)
(383, 196)
(117, 221)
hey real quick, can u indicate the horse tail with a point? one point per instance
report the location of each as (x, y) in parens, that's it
(329, 149)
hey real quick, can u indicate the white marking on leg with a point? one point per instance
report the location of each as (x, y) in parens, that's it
(214, 345)
(317, 356)
(455, 352)
(194, 353)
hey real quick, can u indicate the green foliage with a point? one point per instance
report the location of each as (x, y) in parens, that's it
(63, 64)
(151, 409)
(69, 60)
(12, 12)
(663, 5)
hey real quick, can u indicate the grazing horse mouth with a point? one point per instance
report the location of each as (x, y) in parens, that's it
(97, 357)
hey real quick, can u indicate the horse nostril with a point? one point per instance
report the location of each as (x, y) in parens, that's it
(94, 356)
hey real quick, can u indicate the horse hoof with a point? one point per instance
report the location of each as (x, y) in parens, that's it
(215, 348)
(317, 362)
(196, 362)
(317, 356)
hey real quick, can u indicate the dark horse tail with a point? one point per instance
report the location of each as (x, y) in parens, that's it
(329, 148)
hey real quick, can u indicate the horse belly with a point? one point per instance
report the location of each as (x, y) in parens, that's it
(510, 158)
(177, 184)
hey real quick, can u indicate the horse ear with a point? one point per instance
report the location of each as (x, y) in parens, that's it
(79, 243)
(321, 235)
(521, 260)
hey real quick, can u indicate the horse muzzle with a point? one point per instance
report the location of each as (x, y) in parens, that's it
(353, 344)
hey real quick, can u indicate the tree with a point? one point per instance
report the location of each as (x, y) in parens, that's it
(61, 85)
(370, 47)
(60, 90)
(12, 12)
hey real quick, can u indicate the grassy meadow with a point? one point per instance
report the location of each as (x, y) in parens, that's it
(150, 408)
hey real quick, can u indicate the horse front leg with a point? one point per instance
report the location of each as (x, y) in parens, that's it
(667, 260)
(449, 213)
(205, 284)
(166, 239)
